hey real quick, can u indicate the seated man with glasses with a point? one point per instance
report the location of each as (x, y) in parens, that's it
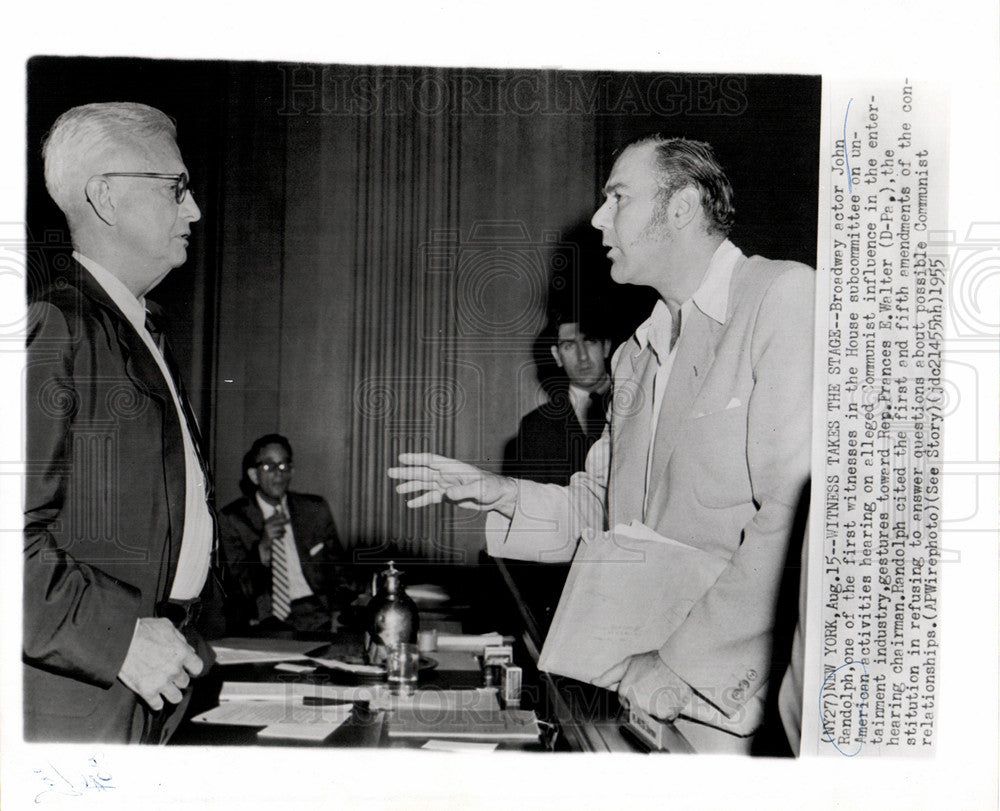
(282, 546)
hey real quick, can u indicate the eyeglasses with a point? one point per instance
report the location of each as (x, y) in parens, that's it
(271, 467)
(180, 190)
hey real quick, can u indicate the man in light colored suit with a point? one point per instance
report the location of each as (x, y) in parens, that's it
(708, 442)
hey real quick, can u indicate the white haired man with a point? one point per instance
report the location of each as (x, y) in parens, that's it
(118, 531)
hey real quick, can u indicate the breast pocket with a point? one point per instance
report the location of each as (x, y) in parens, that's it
(717, 442)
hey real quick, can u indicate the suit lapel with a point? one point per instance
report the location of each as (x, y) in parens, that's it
(303, 525)
(142, 370)
(140, 366)
(695, 356)
(631, 411)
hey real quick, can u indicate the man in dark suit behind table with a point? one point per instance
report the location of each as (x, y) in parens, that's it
(118, 531)
(282, 547)
(553, 439)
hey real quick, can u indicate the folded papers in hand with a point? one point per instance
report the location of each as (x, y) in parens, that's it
(628, 590)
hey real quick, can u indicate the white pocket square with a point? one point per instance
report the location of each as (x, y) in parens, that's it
(734, 403)
(316, 550)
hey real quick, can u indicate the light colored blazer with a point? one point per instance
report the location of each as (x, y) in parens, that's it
(729, 466)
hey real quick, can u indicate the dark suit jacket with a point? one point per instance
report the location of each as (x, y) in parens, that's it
(104, 510)
(550, 445)
(241, 525)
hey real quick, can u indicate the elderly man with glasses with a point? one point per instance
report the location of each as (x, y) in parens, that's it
(282, 546)
(119, 535)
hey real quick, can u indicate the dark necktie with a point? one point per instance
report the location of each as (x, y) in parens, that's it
(595, 416)
(155, 329)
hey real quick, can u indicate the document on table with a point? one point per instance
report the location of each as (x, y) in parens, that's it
(627, 591)
(468, 642)
(266, 713)
(245, 651)
(429, 702)
(438, 745)
(350, 667)
(460, 660)
(296, 692)
(503, 725)
(298, 732)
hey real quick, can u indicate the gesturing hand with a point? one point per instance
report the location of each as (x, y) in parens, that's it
(274, 529)
(158, 662)
(439, 478)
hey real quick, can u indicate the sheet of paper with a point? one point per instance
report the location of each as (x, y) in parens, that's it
(336, 664)
(638, 530)
(480, 699)
(301, 732)
(278, 692)
(438, 745)
(456, 660)
(469, 642)
(244, 650)
(427, 594)
(266, 713)
(505, 725)
(288, 667)
(626, 593)
(228, 656)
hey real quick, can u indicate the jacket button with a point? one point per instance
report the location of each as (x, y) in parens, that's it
(751, 674)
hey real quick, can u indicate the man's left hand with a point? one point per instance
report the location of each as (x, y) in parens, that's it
(645, 681)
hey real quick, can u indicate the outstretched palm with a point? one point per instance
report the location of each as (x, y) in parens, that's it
(438, 478)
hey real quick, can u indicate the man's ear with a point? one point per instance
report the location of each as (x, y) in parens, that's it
(685, 206)
(606, 348)
(101, 200)
(555, 355)
(254, 476)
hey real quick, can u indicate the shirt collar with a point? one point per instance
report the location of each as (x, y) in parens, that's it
(133, 308)
(267, 508)
(711, 297)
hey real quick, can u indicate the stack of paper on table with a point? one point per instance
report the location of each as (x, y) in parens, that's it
(296, 692)
(265, 713)
(378, 696)
(284, 709)
(455, 660)
(627, 591)
(503, 725)
(468, 642)
(434, 702)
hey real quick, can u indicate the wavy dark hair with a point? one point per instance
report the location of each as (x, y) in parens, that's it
(681, 163)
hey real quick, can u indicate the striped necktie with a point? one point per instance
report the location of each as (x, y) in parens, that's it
(281, 605)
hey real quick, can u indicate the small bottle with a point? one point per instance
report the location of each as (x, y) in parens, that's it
(393, 615)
